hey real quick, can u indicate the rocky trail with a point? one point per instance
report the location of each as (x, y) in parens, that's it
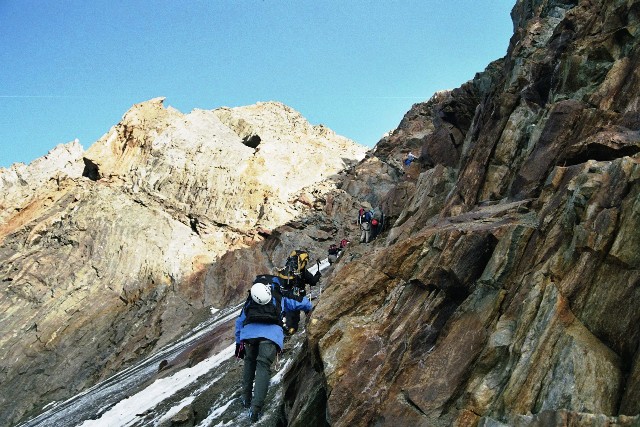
(195, 380)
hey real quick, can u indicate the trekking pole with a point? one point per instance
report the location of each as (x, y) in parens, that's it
(320, 287)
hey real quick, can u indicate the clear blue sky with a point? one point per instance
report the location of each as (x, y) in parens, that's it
(72, 68)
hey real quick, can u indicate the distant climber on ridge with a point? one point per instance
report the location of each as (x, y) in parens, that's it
(409, 159)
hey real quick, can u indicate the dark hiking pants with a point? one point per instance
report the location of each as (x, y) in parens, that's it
(259, 356)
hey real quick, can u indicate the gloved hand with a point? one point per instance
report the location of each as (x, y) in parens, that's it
(239, 351)
(317, 275)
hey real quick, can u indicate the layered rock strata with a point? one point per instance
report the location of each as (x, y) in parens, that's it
(508, 285)
(111, 253)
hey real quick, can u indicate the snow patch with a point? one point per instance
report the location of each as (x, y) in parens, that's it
(174, 410)
(51, 405)
(123, 413)
(186, 401)
(216, 413)
(278, 377)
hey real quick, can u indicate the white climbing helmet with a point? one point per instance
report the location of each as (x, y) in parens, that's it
(261, 293)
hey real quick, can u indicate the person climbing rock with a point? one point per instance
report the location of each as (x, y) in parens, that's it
(377, 223)
(407, 164)
(343, 244)
(409, 159)
(294, 277)
(364, 219)
(333, 253)
(259, 337)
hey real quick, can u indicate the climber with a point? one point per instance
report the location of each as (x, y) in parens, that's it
(294, 277)
(259, 337)
(334, 253)
(377, 223)
(409, 159)
(374, 228)
(364, 215)
(364, 219)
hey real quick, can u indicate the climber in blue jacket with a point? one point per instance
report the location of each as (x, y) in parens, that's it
(259, 337)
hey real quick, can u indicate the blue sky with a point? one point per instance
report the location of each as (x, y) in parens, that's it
(72, 68)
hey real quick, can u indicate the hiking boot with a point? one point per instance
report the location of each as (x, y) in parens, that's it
(254, 414)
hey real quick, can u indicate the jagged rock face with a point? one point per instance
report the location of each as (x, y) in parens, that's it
(480, 315)
(110, 254)
(248, 161)
(436, 130)
(508, 285)
(20, 183)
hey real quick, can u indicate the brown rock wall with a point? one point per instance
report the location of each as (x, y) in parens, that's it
(509, 281)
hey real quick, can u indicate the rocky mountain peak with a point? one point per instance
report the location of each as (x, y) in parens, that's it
(21, 183)
(261, 156)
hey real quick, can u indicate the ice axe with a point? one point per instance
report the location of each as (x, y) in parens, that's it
(318, 263)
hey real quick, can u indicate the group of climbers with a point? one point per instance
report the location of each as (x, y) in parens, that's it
(294, 277)
(271, 310)
(371, 224)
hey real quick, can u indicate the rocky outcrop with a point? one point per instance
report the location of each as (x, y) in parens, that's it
(498, 311)
(22, 183)
(506, 292)
(111, 253)
(183, 160)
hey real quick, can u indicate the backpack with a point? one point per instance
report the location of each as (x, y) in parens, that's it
(274, 281)
(270, 313)
(295, 265)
